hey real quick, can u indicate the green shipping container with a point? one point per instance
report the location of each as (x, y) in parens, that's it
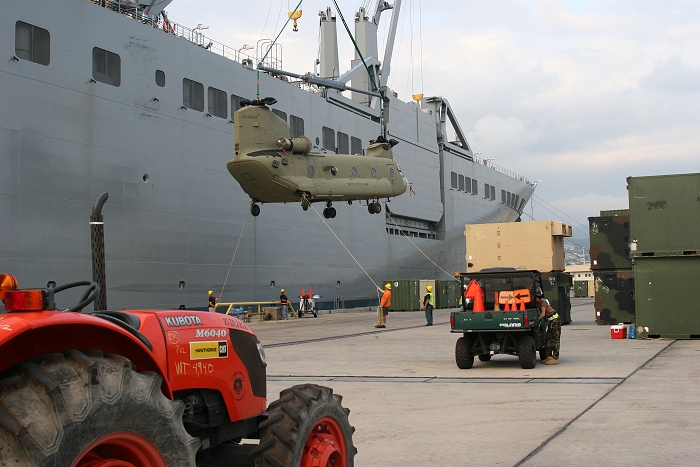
(580, 289)
(556, 288)
(446, 293)
(405, 295)
(667, 297)
(664, 215)
(614, 296)
(610, 242)
(615, 212)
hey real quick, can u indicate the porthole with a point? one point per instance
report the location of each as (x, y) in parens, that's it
(391, 172)
(312, 171)
(354, 171)
(373, 171)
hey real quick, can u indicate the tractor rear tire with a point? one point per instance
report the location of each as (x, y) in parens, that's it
(307, 426)
(527, 353)
(462, 352)
(80, 408)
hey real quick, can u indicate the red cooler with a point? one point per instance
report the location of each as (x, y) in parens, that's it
(618, 332)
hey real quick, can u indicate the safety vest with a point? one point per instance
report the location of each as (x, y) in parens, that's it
(431, 301)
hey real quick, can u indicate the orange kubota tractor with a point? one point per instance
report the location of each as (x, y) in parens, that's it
(149, 389)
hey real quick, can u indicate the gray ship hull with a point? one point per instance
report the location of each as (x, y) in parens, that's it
(174, 214)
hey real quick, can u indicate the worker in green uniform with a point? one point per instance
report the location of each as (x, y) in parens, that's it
(553, 337)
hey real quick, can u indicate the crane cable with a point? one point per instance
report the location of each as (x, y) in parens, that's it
(234, 257)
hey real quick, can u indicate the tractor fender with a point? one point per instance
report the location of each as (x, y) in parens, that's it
(26, 335)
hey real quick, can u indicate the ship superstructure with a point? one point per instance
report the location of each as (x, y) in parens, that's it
(100, 97)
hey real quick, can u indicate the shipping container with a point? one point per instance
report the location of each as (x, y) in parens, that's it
(446, 293)
(668, 297)
(580, 289)
(614, 296)
(522, 245)
(615, 212)
(664, 215)
(556, 286)
(405, 295)
(610, 239)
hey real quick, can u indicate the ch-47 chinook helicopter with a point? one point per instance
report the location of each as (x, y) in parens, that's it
(273, 167)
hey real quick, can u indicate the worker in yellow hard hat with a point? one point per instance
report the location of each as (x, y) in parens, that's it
(212, 301)
(428, 304)
(384, 304)
(284, 301)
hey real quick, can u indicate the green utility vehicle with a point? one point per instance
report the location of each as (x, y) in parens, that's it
(504, 321)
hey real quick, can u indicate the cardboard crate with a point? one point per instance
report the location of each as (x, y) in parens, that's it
(522, 245)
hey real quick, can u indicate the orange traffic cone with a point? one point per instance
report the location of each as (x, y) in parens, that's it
(522, 306)
(507, 306)
(475, 293)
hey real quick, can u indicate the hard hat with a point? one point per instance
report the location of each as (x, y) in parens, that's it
(538, 292)
(282, 291)
(211, 292)
(456, 273)
(388, 286)
(429, 288)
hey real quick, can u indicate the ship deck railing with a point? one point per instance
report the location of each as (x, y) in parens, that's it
(194, 35)
(488, 163)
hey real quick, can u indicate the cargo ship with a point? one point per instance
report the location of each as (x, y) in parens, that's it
(113, 96)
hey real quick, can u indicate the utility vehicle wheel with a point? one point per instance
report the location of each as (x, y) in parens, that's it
(543, 354)
(307, 427)
(484, 358)
(462, 357)
(527, 353)
(81, 409)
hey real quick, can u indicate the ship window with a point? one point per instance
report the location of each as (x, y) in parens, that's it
(467, 184)
(453, 179)
(356, 145)
(353, 171)
(343, 143)
(508, 199)
(296, 126)
(160, 78)
(32, 43)
(493, 193)
(503, 196)
(192, 94)
(475, 187)
(328, 138)
(423, 235)
(280, 114)
(517, 199)
(487, 190)
(235, 104)
(461, 183)
(217, 102)
(106, 67)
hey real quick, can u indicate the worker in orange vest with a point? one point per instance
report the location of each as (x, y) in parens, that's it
(384, 305)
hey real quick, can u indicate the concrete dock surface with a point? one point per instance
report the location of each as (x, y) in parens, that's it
(609, 402)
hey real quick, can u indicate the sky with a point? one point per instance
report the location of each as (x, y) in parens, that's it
(577, 94)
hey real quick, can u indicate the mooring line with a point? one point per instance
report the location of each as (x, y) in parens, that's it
(234, 257)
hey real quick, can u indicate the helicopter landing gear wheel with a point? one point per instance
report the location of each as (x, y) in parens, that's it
(374, 207)
(305, 203)
(329, 211)
(255, 210)
(307, 426)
